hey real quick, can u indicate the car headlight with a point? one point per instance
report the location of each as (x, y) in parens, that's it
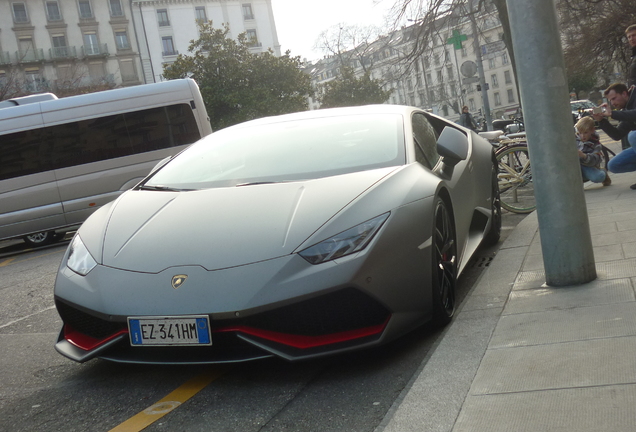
(79, 258)
(347, 242)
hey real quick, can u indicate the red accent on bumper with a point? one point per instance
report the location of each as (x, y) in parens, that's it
(304, 342)
(85, 342)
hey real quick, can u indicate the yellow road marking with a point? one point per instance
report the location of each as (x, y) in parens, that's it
(154, 412)
(10, 260)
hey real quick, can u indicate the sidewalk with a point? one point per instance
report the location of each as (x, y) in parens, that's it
(521, 356)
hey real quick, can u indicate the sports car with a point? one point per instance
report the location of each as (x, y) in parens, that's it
(295, 236)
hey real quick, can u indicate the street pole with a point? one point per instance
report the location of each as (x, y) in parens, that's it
(566, 242)
(480, 67)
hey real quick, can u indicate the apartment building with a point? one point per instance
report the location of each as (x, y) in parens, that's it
(165, 28)
(64, 45)
(73, 46)
(443, 77)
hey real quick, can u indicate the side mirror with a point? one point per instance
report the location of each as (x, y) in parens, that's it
(452, 146)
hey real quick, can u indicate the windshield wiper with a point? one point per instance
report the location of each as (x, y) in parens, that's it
(162, 188)
(255, 183)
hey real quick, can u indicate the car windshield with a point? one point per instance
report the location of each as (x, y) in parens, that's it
(582, 105)
(286, 151)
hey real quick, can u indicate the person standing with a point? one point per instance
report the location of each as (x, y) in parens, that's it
(466, 120)
(623, 99)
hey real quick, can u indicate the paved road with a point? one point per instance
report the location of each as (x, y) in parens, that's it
(41, 390)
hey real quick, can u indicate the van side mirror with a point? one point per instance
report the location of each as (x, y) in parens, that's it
(452, 146)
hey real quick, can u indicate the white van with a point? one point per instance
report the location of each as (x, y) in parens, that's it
(61, 159)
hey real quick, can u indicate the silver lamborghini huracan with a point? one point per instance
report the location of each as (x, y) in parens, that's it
(294, 236)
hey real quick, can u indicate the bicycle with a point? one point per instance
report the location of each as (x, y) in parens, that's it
(514, 171)
(515, 178)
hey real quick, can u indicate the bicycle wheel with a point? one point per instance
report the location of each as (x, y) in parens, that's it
(515, 179)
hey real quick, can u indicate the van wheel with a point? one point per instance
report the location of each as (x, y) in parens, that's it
(40, 239)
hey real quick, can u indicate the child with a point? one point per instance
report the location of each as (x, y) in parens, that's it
(590, 152)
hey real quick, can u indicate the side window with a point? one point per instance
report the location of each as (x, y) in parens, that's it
(425, 141)
(20, 154)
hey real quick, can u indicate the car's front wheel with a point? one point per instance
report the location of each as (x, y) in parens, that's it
(444, 272)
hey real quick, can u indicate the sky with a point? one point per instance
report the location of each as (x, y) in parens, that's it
(300, 22)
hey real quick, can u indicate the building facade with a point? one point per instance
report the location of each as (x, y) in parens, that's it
(166, 27)
(76, 46)
(64, 45)
(444, 75)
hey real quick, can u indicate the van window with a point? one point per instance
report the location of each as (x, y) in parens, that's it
(92, 140)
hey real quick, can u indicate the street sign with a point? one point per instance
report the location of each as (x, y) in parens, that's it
(468, 69)
(470, 80)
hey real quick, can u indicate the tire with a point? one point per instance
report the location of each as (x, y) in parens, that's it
(444, 265)
(516, 188)
(40, 239)
(494, 233)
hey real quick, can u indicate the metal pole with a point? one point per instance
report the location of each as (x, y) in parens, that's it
(480, 68)
(566, 242)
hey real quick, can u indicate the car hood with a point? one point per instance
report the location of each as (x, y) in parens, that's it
(149, 231)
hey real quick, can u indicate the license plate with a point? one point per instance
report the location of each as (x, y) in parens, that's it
(168, 331)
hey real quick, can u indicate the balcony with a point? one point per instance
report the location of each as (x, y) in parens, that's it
(99, 50)
(169, 53)
(66, 52)
(30, 56)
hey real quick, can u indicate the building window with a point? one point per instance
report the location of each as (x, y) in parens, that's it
(85, 9)
(91, 46)
(33, 80)
(53, 11)
(247, 11)
(497, 99)
(60, 49)
(471, 104)
(252, 38)
(20, 13)
(162, 17)
(440, 76)
(168, 46)
(436, 59)
(511, 96)
(504, 58)
(491, 63)
(121, 39)
(127, 69)
(115, 8)
(464, 52)
(449, 72)
(200, 15)
(26, 49)
(508, 77)
(495, 81)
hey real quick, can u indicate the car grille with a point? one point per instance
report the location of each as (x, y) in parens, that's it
(87, 324)
(335, 312)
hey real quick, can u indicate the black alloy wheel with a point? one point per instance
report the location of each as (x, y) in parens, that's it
(444, 272)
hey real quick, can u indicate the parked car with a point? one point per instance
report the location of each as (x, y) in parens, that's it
(294, 236)
(581, 108)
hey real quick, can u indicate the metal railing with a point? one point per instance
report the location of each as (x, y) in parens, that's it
(63, 52)
(30, 56)
(94, 50)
